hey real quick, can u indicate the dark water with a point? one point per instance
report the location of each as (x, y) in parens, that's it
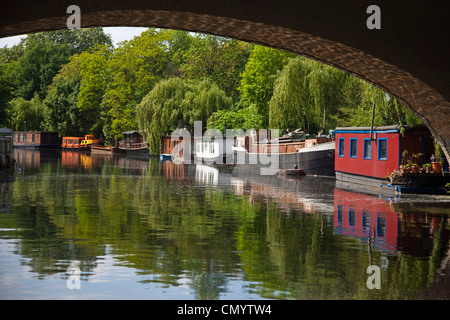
(153, 230)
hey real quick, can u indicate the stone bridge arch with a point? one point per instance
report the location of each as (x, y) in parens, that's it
(408, 57)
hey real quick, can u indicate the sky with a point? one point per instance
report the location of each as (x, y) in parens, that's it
(118, 34)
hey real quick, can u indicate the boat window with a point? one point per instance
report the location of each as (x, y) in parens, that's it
(32, 137)
(353, 146)
(341, 147)
(24, 137)
(69, 141)
(367, 153)
(382, 149)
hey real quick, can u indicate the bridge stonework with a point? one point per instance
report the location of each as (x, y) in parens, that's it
(407, 57)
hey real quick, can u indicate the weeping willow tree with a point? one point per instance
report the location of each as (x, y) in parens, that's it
(27, 114)
(312, 91)
(303, 91)
(176, 103)
(388, 110)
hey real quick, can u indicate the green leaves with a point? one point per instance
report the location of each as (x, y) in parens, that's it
(305, 88)
(176, 103)
(135, 67)
(259, 76)
(220, 60)
(27, 115)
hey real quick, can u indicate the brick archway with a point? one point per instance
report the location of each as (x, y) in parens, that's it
(407, 57)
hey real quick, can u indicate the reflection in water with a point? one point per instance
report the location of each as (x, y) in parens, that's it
(151, 229)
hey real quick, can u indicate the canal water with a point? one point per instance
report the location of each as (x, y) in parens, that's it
(80, 226)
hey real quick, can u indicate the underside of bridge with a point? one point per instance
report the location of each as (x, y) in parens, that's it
(408, 57)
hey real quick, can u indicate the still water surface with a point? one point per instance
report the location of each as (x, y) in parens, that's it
(153, 230)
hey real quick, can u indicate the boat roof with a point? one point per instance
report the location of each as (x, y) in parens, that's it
(4, 131)
(381, 128)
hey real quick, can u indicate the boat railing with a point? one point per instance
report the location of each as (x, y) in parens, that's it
(138, 145)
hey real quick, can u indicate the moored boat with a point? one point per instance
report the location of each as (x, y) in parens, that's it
(390, 157)
(98, 149)
(6, 150)
(36, 139)
(79, 143)
(310, 155)
(134, 145)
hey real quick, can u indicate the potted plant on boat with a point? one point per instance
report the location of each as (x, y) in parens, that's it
(406, 168)
(436, 158)
(415, 168)
(427, 167)
(404, 157)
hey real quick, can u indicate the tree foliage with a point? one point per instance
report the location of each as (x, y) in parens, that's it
(218, 59)
(134, 68)
(176, 103)
(27, 114)
(306, 89)
(302, 91)
(62, 114)
(94, 81)
(388, 110)
(243, 118)
(259, 76)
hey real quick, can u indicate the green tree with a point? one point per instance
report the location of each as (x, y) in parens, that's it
(259, 76)
(302, 91)
(94, 81)
(26, 114)
(36, 68)
(177, 103)
(305, 88)
(45, 53)
(62, 114)
(243, 118)
(179, 44)
(388, 111)
(5, 95)
(75, 40)
(135, 67)
(217, 59)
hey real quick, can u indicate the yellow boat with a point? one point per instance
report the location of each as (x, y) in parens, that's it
(88, 141)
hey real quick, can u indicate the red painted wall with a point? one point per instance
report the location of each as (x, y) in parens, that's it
(368, 167)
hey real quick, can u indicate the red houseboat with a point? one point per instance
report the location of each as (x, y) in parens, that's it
(374, 156)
